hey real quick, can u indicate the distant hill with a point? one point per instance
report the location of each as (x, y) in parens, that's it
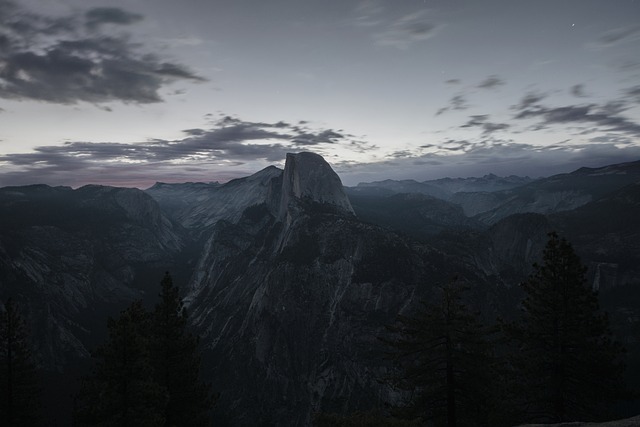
(557, 193)
(445, 188)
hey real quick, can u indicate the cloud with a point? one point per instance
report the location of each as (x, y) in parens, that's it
(456, 103)
(325, 137)
(491, 82)
(66, 60)
(110, 15)
(230, 142)
(453, 81)
(607, 117)
(407, 30)
(482, 122)
(529, 100)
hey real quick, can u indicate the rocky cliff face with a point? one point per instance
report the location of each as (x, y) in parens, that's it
(290, 303)
(198, 206)
(309, 178)
(69, 256)
(290, 314)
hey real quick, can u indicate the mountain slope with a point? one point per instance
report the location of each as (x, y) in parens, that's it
(416, 215)
(68, 255)
(562, 192)
(290, 309)
(197, 206)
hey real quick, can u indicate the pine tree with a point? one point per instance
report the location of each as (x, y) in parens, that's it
(122, 391)
(568, 364)
(446, 361)
(176, 361)
(19, 388)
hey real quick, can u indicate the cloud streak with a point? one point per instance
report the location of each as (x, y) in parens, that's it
(481, 121)
(491, 82)
(606, 117)
(110, 15)
(456, 103)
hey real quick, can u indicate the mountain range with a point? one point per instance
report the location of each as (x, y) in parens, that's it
(290, 278)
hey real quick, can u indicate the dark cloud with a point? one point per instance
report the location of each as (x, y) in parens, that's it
(456, 103)
(602, 117)
(194, 132)
(325, 137)
(55, 60)
(230, 142)
(110, 15)
(477, 120)
(491, 82)
(613, 108)
(578, 90)
(401, 154)
(529, 100)
(453, 81)
(176, 71)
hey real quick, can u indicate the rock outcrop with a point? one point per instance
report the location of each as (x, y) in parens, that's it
(309, 178)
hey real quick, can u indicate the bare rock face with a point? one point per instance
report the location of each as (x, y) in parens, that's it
(199, 206)
(289, 315)
(290, 303)
(308, 177)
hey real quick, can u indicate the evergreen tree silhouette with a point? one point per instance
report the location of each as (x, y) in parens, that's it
(19, 386)
(446, 361)
(122, 391)
(176, 361)
(567, 363)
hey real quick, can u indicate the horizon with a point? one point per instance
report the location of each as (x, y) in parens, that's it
(138, 92)
(382, 179)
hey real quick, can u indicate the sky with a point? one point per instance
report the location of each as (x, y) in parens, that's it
(131, 92)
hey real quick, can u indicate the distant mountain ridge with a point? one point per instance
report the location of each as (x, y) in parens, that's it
(445, 188)
(491, 198)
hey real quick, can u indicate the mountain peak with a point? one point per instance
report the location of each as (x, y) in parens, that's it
(308, 176)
